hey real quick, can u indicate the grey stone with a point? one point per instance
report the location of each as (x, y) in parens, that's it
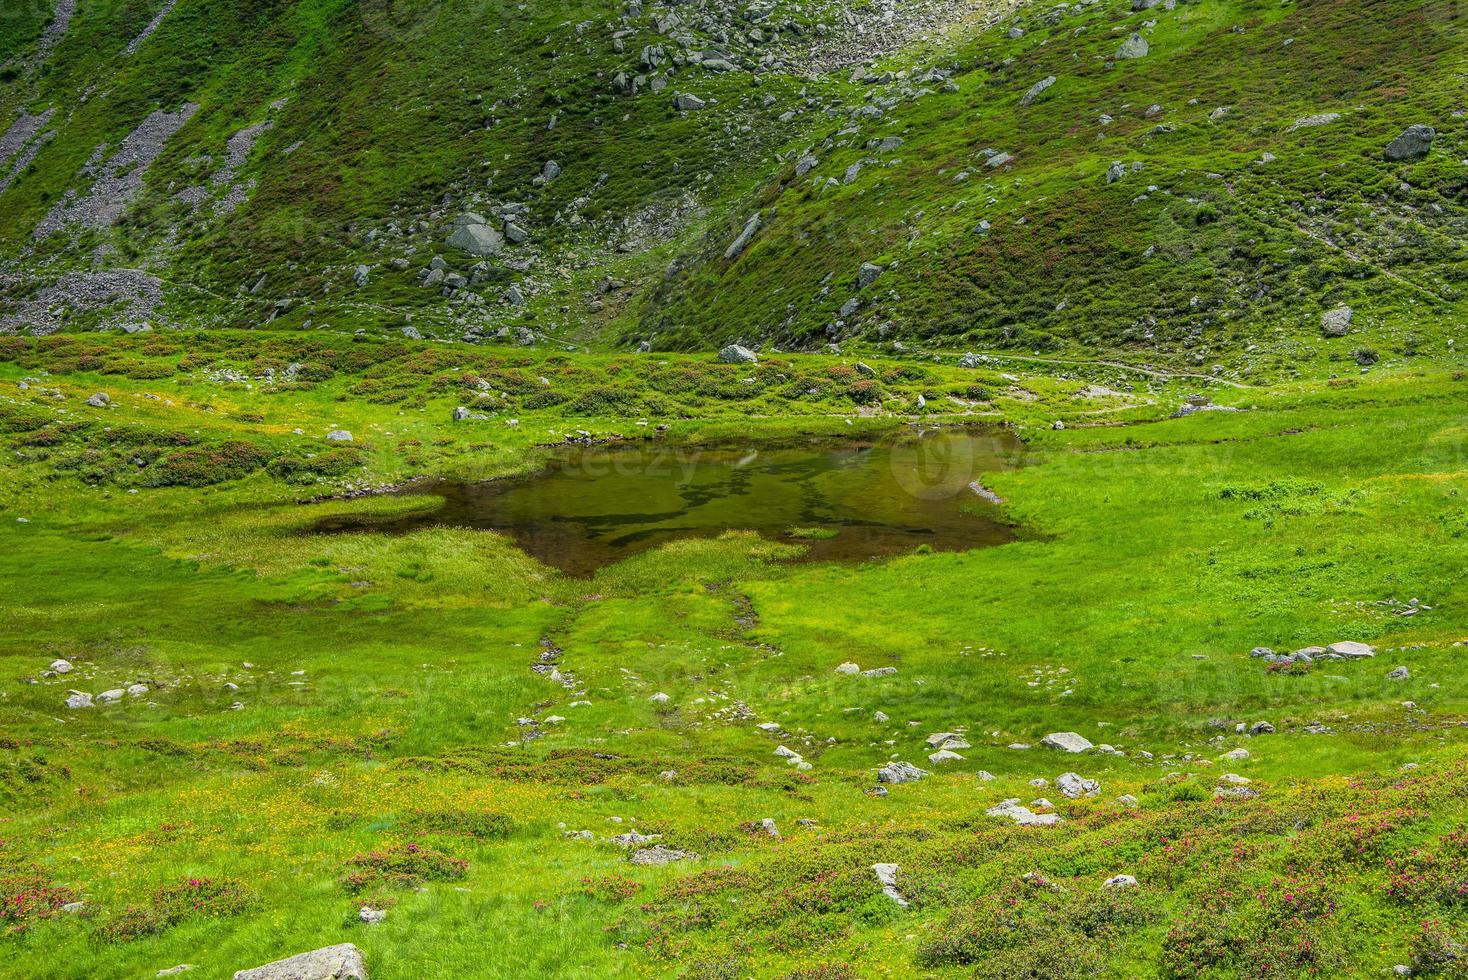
(1037, 89)
(1067, 742)
(460, 414)
(867, 274)
(658, 855)
(1133, 47)
(1022, 815)
(338, 435)
(341, 962)
(899, 772)
(736, 354)
(370, 915)
(685, 102)
(1336, 322)
(887, 878)
(1119, 882)
(477, 240)
(740, 243)
(1073, 786)
(1399, 674)
(1413, 144)
(78, 699)
(1351, 650)
(100, 400)
(361, 274)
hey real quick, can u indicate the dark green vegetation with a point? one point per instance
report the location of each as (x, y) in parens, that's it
(332, 134)
(379, 754)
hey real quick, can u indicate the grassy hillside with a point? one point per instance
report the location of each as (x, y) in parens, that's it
(370, 127)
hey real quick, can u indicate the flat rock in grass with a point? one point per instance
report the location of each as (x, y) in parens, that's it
(944, 755)
(1035, 90)
(848, 668)
(887, 878)
(78, 699)
(1351, 650)
(899, 772)
(340, 962)
(947, 740)
(1022, 815)
(879, 672)
(338, 435)
(1237, 755)
(1067, 742)
(741, 242)
(658, 855)
(370, 915)
(174, 971)
(99, 400)
(737, 354)
(61, 666)
(1118, 882)
(1398, 674)
(107, 697)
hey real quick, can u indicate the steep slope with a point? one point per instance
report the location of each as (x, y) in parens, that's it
(200, 162)
(1224, 189)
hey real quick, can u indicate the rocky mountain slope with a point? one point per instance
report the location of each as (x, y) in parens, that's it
(1209, 183)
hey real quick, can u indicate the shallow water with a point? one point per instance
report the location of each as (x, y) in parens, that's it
(848, 499)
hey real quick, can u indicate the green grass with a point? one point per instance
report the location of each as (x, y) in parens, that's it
(1157, 552)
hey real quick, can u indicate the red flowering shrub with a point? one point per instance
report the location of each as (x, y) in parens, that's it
(171, 904)
(403, 866)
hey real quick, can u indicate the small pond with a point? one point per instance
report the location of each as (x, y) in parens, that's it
(846, 499)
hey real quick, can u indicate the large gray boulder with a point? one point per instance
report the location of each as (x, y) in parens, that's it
(735, 354)
(1413, 144)
(1351, 650)
(1067, 742)
(1336, 322)
(687, 102)
(1133, 47)
(478, 240)
(340, 962)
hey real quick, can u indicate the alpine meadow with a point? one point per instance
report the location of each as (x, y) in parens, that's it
(723, 489)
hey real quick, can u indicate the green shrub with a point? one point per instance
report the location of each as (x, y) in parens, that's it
(173, 904)
(401, 866)
(208, 465)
